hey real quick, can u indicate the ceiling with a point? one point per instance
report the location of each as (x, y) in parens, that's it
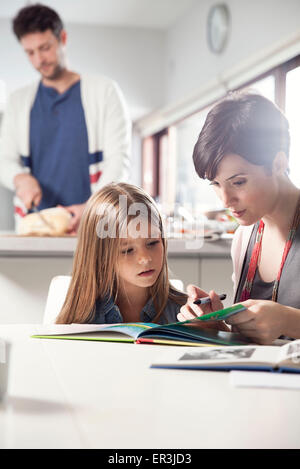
(160, 14)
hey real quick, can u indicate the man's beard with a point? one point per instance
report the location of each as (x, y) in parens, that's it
(57, 73)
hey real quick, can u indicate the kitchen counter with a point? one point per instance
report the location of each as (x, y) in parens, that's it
(40, 246)
(24, 246)
(28, 265)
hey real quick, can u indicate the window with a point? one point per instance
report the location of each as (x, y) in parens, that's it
(293, 115)
(265, 86)
(178, 183)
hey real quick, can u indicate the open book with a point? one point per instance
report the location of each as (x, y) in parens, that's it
(187, 333)
(260, 358)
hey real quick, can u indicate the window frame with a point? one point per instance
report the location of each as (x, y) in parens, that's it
(279, 72)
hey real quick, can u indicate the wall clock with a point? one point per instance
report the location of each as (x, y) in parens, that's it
(218, 26)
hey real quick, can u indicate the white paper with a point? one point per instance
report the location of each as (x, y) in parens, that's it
(261, 379)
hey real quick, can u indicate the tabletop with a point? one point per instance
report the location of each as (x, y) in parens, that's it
(74, 394)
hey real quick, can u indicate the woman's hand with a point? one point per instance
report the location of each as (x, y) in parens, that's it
(191, 311)
(263, 321)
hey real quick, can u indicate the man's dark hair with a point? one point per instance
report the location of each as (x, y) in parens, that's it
(245, 124)
(37, 18)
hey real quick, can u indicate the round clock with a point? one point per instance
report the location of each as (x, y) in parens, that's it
(218, 23)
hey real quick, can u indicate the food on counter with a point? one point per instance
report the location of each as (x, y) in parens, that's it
(49, 222)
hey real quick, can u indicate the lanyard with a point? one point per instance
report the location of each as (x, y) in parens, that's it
(256, 253)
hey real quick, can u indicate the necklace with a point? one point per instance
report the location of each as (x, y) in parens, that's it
(256, 254)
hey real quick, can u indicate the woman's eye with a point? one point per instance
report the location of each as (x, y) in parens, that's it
(240, 182)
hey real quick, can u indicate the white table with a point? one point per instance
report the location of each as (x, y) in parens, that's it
(72, 394)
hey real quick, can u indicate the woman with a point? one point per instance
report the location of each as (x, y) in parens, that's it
(243, 150)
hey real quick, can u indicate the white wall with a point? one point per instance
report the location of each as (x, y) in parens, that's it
(133, 57)
(256, 24)
(153, 68)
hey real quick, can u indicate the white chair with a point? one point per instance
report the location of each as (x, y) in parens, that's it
(176, 283)
(57, 293)
(56, 296)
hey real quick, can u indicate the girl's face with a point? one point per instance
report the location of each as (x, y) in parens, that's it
(140, 261)
(247, 190)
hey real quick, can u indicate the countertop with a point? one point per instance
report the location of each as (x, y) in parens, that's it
(12, 245)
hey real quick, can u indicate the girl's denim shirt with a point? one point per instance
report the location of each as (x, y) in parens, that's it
(107, 312)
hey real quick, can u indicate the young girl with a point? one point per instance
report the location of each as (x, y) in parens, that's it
(120, 271)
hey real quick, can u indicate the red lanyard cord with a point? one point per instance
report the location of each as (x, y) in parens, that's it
(257, 251)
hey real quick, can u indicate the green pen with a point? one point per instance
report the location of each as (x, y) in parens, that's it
(222, 314)
(219, 315)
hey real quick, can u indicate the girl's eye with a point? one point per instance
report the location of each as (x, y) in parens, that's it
(127, 251)
(153, 243)
(213, 183)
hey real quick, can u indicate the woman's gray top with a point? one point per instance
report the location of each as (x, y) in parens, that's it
(289, 285)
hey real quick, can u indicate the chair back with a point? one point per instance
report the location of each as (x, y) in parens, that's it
(57, 293)
(56, 296)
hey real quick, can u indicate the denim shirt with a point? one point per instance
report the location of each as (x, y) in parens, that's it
(107, 312)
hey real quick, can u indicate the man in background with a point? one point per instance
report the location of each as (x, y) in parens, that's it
(65, 136)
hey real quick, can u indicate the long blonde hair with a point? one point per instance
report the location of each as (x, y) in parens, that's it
(94, 267)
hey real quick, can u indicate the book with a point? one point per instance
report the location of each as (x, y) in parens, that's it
(189, 332)
(284, 358)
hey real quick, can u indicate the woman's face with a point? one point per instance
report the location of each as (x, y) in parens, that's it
(249, 191)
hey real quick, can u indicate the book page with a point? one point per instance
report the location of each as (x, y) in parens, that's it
(64, 329)
(290, 353)
(130, 329)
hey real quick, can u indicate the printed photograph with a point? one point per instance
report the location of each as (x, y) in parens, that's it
(220, 354)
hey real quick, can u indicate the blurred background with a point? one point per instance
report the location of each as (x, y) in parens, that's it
(172, 59)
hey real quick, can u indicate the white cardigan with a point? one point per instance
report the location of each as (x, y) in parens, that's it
(108, 128)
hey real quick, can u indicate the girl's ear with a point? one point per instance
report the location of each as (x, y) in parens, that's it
(280, 163)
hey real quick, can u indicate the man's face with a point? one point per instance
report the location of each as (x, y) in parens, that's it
(45, 52)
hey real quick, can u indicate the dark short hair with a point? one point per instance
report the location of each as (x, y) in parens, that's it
(245, 124)
(37, 18)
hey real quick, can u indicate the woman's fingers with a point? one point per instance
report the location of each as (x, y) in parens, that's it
(186, 313)
(195, 292)
(215, 302)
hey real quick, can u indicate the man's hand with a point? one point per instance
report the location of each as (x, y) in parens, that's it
(76, 211)
(28, 189)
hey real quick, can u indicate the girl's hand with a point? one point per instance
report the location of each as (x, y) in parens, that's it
(191, 311)
(263, 321)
